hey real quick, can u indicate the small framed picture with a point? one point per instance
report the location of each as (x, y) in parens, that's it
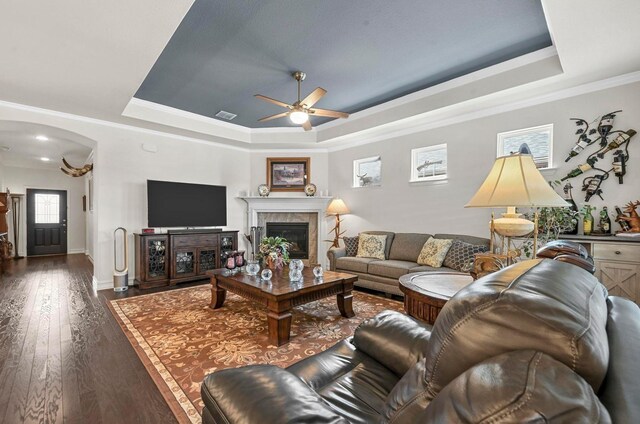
(367, 172)
(288, 174)
(429, 163)
(539, 140)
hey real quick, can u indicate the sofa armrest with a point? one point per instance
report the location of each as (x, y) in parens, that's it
(394, 339)
(263, 394)
(333, 254)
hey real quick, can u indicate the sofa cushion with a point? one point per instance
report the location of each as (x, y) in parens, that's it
(478, 241)
(433, 252)
(390, 237)
(427, 268)
(390, 268)
(354, 384)
(371, 246)
(348, 263)
(520, 387)
(550, 306)
(460, 255)
(407, 246)
(351, 245)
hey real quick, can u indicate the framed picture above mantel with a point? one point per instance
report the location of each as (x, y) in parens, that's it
(288, 174)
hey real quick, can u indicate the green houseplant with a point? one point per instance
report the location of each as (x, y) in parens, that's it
(551, 223)
(274, 252)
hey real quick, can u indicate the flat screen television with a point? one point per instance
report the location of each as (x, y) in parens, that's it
(172, 204)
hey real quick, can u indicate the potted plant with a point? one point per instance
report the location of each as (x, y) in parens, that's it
(551, 223)
(274, 252)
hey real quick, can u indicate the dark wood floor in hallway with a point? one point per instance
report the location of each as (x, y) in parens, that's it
(63, 358)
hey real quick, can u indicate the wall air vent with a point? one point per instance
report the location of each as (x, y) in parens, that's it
(226, 115)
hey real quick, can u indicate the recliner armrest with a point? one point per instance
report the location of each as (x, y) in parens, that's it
(333, 254)
(263, 394)
(394, 339)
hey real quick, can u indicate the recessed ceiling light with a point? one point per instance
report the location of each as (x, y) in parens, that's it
(42, 138)
(45, 159)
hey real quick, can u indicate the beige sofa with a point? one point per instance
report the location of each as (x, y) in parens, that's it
(401, 253)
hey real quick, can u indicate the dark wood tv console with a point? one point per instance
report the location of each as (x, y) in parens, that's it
(169, 259)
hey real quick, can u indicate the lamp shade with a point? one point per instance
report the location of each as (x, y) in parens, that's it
(515, 181)
(337, 207)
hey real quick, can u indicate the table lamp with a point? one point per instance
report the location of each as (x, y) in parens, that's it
(337, 208)
(515, 181)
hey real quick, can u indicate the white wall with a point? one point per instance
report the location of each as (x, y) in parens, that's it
(121, 169)
(18, 180)
(439, 206)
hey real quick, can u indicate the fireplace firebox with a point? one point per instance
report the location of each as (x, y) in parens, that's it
(296, 233)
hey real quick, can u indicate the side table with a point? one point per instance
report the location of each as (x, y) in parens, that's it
(425, 293)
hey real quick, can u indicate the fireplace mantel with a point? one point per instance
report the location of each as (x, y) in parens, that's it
(317, 204)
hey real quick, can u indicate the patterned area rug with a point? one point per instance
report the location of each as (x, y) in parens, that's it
(180, 339)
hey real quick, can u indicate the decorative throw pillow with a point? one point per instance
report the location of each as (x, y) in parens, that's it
(351, 245)
(460, 256)
(434, 251)
(371, 246)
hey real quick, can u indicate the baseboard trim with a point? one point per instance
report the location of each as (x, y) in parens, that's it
(75, 251)
(89, 257)
(101, 285)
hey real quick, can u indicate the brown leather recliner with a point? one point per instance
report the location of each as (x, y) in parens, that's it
(537, 341)
(568, 251)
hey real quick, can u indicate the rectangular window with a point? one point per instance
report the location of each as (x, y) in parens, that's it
(47, 208)
(538, 139)
(367, 172)
(429, 163)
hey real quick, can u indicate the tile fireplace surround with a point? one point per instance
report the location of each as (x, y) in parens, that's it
(293, 209)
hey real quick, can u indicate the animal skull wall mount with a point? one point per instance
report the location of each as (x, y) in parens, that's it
(72, 171)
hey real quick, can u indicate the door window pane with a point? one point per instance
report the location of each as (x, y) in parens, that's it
(47, 208)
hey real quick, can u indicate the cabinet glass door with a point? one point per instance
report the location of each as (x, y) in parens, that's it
(184, 263)
(206, 260)
(156, 258)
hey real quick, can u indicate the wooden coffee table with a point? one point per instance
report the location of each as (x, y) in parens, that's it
(425, 293)
(280, 295)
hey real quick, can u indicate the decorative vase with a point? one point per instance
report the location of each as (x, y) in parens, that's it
(276, 264)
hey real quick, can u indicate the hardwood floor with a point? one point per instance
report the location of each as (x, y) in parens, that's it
(63, 357)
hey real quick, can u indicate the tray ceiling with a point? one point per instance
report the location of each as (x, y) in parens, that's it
(363, 52)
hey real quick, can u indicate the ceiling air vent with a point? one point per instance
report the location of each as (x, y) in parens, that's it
(226, 115)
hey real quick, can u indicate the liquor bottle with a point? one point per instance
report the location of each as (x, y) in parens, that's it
(622, 138)
(568, 197)
(583, 142)
(580, 169)
(623, 224)
(605, 221)
(606, 125)
(619, 165)
(587, 220)
(593, 187)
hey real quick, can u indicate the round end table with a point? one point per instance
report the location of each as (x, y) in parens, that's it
(425, 293)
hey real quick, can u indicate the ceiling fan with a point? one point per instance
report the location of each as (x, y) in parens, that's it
(300, 111)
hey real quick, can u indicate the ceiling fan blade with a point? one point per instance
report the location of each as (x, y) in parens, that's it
(274, 101)
(313, 97)
(329, 113)
(307, 126)
(276, 116)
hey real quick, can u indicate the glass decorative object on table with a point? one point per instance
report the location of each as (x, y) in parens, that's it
(296, 264)
(230, 261)
(318, 272)
(295, 274)
(252, 267)
(239, 258)
(266, 274)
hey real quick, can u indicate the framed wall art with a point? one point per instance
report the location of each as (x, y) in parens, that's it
(539, 139)
(288, 174)
(367, 172)
(429, 163)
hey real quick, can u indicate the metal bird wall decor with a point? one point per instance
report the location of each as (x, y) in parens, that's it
(72, 171)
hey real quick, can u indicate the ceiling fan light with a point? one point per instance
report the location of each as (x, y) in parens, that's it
(298, 117)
